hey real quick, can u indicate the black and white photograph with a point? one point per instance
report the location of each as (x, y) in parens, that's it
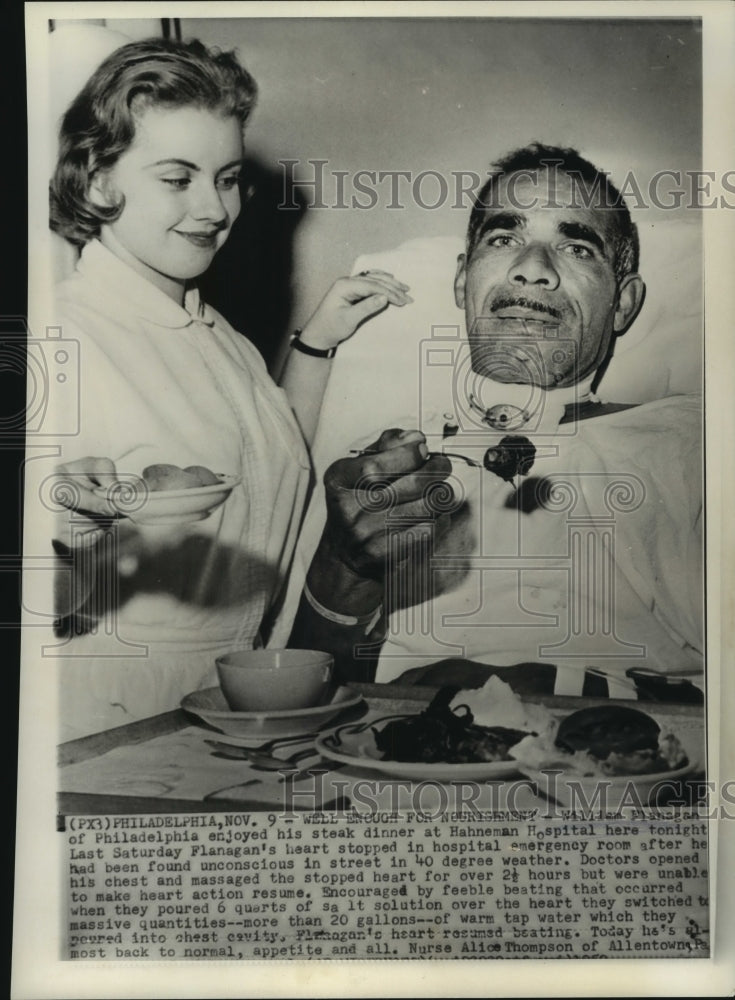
(376, 600)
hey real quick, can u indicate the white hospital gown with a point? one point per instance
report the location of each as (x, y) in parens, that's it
(165, 384)
(595, 562)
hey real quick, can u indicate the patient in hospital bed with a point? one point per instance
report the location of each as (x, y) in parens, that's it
(564, 551)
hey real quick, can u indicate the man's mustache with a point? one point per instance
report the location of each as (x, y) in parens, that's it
(525, 303)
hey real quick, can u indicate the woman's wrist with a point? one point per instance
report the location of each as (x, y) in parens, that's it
(304, 347)
(320, 340)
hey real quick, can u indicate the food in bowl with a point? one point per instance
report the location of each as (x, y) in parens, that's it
(167, 495)
(163, 477)
(205, 476)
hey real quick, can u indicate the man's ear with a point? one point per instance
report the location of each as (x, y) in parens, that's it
(460, 280)
(631, 294)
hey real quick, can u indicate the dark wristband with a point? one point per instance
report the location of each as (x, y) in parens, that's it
(314, 352)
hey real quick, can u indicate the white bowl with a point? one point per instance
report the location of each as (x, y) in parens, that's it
(132, 499)
(274, 680)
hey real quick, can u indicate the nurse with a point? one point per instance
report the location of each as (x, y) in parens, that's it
(147, 187)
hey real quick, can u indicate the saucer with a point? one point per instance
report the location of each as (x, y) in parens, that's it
(210, 706)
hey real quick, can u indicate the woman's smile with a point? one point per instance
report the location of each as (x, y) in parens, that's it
(207, 241)
(178, 183)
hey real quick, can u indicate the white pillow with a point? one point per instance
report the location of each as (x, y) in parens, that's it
(376, 375)
(662, 353)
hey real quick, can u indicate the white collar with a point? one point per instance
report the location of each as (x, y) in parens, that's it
(113, 278)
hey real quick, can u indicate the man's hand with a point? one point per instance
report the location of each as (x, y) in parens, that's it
(383, 506)
(385, 501)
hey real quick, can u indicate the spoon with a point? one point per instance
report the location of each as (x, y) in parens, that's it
(242, 742)
(259, 759)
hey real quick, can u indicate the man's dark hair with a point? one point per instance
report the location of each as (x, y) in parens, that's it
(593, 189)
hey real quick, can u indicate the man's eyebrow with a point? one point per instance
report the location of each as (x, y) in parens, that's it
(501, 220)
(578, 231)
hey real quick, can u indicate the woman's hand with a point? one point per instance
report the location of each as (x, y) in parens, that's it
(75, 490)
(77, 536)
(348, 303)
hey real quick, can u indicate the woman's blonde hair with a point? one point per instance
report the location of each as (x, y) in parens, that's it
(100, 124)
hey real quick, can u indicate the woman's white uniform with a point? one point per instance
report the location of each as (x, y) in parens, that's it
(159, 383)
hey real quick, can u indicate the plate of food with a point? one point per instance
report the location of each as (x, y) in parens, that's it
(617, 751)
(166, 494)
(210, 706)
(444, 742)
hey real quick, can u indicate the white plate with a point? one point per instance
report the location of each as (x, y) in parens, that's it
(567, 787)
(606, 794)
(210, 706)
(354, 743)
(133, 500)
